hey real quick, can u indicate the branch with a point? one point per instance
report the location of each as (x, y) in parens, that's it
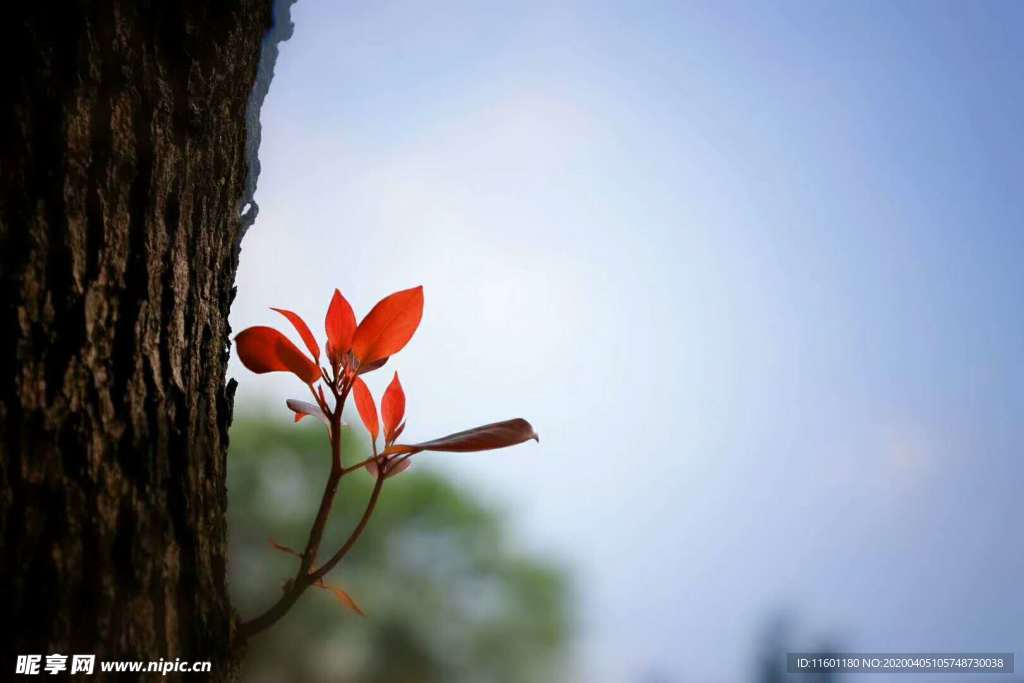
(304, 580)
(356, 533)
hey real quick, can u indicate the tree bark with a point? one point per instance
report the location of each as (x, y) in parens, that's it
(122, 144)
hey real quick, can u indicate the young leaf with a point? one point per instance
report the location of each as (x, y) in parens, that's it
(343, 597)
(303, 329)
(365, 406)
(340, 325)
(389, 326)
(304, 408)
(398, 432)
(484, 438)
(392, 408)
(264, 349)
(399, 468)
(372, 468)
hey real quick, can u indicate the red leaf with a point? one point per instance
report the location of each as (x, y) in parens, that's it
(264, 349)
(392, 408)
(365, 406)
(304, 408)
(341, 325)
(485, 438)
(303, 329)
(343, 597)
(398, 432)
(389, 326)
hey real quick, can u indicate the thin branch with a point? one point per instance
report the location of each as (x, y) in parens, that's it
(356, 533)
(304, 580)
(317, 530)
(360, 464)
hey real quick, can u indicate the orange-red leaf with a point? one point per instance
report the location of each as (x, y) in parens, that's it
(343, 597)
(341, 325)
(389, 326)
(264, 349)
(365, 406)
(392, 408)
(304, 408)
(485, 438)
(303, 329)
(398, 432)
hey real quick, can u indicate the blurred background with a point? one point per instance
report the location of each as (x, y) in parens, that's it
(751, 269)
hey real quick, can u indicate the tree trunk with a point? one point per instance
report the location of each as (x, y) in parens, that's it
(123, 150)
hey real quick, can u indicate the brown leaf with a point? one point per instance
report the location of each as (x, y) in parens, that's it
(370, 367)
(484, 438)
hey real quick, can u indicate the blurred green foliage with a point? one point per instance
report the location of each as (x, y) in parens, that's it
(446, 595)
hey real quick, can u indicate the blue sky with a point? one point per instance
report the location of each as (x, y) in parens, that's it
(752, 270)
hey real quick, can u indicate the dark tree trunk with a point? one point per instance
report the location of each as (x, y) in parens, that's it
(122, 143)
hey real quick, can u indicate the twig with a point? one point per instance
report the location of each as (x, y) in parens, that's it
(356, 533)
(303, 581)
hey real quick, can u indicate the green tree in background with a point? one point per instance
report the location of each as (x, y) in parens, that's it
(446, 597)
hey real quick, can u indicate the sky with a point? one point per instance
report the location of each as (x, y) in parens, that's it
(751, 270)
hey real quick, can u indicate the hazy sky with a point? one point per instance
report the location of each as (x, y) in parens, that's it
(752, 270)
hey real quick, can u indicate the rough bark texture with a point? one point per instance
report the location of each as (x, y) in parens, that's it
(122, 142)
